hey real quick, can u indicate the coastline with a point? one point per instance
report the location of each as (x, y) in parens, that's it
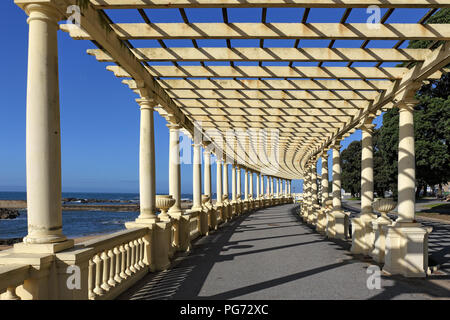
(7, 243)
(114, 207)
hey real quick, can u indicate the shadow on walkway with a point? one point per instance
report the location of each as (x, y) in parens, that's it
(286, 260)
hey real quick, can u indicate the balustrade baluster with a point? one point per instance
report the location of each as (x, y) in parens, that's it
(105, 275)
(111, 281)
(128, 259)
(91, 279)
(98, 275)
(137, 255)
(123, 274)
(118, 259)
(10, 294)
(141, 249)
(133, 256)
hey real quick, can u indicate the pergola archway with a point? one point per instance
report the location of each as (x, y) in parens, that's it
(294, 112)
(310, 106)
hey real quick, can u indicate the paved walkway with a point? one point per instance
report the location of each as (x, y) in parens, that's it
(271, 254)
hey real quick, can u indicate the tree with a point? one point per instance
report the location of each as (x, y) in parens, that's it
(351, 168)
(431, 133)
(381, 178)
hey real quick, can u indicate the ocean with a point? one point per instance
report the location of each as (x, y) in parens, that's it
(77, 223)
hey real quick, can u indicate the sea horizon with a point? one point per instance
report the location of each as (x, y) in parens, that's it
(77, 223)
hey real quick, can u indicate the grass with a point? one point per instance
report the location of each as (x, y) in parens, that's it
(439, 206)
(440, 211)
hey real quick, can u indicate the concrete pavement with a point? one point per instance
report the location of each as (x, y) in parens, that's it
(271, 254)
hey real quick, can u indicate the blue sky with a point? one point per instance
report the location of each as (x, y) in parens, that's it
(99, 115)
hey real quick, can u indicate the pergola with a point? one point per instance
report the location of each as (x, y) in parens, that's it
(266, 109)
(309, 106)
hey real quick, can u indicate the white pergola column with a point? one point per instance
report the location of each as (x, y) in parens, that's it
(174, 167)
(406, 163)
(197, 177)
(250, 177)
(271, 185)
(246, 184)
(43, 135)
(238, 172)
(322, 211)
(362, 232)
(340, 227)
(336, 177)
(308, 184)
(367, 169)
(305, 192)
(147, 186)
(262, 184)
(219, 181)
(225, 179)
(325, 190)
(406, 239)
(314, 189)
(233, 182)
(258, 187)
(207, 171)
(277, 186)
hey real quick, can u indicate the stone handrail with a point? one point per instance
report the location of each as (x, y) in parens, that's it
(115, 259)
(11, 277)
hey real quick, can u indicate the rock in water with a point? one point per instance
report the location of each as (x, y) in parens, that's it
(9, 242)
(8, 213)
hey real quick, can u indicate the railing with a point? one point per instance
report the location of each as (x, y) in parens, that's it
(117, 259)
(11, 277)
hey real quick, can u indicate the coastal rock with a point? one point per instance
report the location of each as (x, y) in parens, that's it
(8, 213)
(10, 241)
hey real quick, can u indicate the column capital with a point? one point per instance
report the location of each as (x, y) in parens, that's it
(146, 103)
(407, 104)
(41, 11)
(173, 126)
(337, 144)
(367, 127)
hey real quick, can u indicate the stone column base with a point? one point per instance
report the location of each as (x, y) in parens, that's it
(362, 234)
(321, 226)
(339, 225)
(379, 232)
(43, 247)
(406, 249)
(212, 218)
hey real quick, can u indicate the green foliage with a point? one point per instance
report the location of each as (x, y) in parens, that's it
(351, 168)
(440, 17)
(431, 133)
(381, 172)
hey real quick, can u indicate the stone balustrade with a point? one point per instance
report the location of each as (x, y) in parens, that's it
(116, 262)
(11, 277)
